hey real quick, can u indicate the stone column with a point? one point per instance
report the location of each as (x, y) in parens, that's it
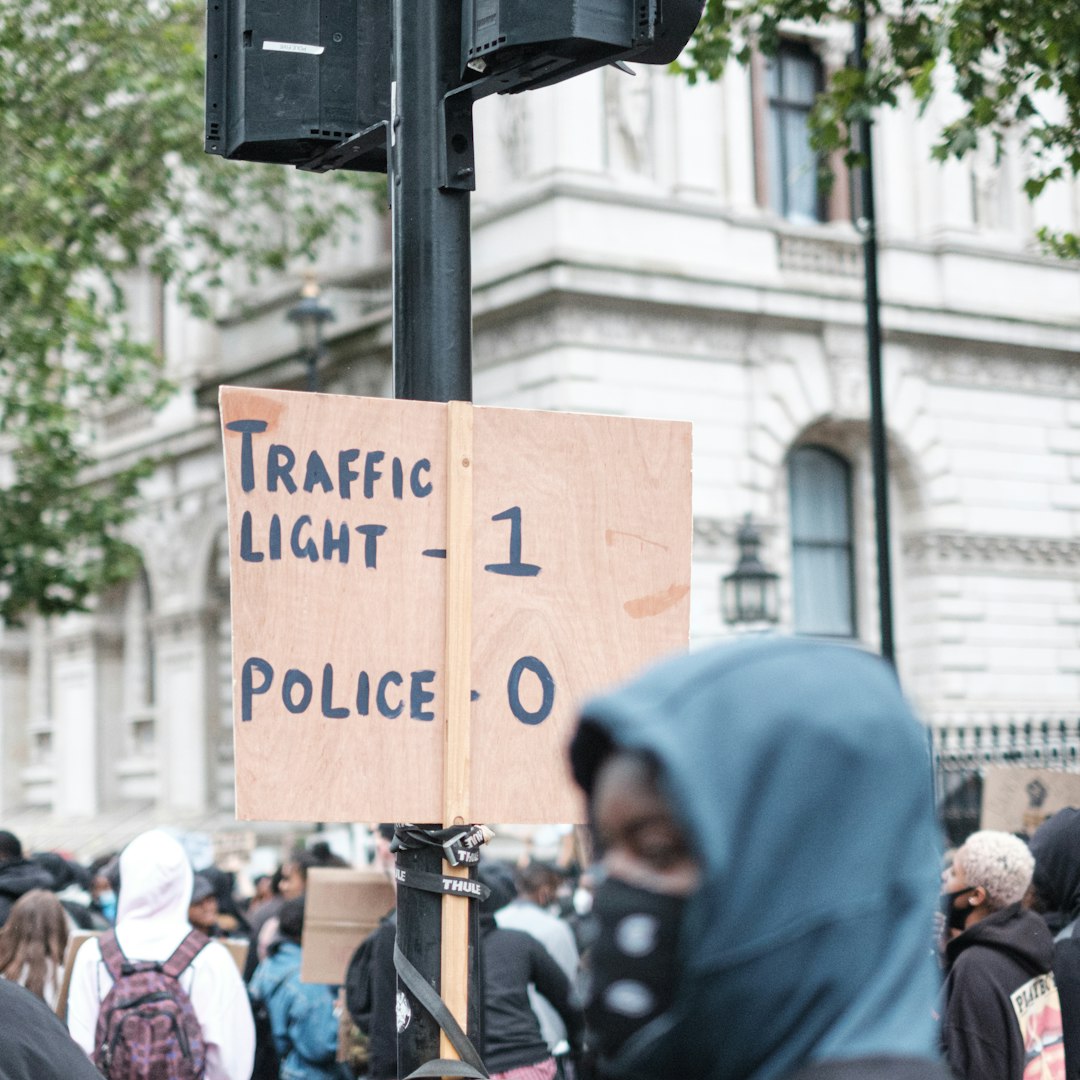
(186, 708)
(14, 716)
(87, 702)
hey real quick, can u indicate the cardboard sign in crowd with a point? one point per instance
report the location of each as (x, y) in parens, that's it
(560, 542)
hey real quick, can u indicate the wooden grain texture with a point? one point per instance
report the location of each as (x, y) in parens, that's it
(454, 963)
(580, 575)
(299, 614)
(342, 907)
(459, 601)
(605, 514)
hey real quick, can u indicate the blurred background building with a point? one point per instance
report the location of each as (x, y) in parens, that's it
(643, 247)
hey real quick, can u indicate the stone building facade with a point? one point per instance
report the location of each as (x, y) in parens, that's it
(639, 249)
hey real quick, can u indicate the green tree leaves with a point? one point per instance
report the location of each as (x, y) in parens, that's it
(1014, 68)
(103, 173)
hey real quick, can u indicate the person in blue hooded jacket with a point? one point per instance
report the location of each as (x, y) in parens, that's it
(769, 870)
(301, 1014)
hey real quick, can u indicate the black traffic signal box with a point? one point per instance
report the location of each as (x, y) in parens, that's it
(307, 82)
(299, 82)
(525, 44)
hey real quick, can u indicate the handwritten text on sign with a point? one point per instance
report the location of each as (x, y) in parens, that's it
(337, 509)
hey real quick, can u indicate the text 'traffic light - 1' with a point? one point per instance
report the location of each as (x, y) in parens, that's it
(299, 82)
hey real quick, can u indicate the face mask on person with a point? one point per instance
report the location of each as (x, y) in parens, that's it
(633, 969)
(107, 904)
(955, 917)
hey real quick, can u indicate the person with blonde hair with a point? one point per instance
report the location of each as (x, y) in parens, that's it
(1001, 1016)
(32, 944)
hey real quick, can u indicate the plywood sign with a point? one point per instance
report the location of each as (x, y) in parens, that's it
(1015, 799)
(341, 908)
(559, 544)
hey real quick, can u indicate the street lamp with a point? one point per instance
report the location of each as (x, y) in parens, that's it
(309, 315)
(749, 592)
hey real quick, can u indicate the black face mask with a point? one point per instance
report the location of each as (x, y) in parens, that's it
(955, 917)
(633, 970)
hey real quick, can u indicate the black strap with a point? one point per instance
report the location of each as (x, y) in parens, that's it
(441, 884)
(460, 845)
(470, 1064)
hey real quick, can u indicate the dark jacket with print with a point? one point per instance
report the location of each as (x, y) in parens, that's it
(1056, 847)
(987, 963)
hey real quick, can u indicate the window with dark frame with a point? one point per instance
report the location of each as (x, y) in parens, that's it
(792, 79)
(822, 543)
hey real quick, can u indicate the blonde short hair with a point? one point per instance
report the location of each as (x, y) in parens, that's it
(1000, 863)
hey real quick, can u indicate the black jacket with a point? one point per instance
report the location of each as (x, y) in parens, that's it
(509, 961)
(987, 964)
(1056, 847)
(19, 876)
(34, 1044)
(382, 1031)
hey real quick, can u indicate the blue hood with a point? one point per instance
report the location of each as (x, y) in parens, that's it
(804, 783)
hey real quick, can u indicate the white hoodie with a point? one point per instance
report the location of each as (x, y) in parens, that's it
(151, 921)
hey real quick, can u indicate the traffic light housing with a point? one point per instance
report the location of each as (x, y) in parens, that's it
(299, 82)
(307, 82)
(516, 45)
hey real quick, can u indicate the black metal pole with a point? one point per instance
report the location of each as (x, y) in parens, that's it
(419, 934)
(432, 305)
(431, 253)
(878, 441)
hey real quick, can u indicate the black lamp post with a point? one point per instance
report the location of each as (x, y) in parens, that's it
(309, 315)
(749, 593)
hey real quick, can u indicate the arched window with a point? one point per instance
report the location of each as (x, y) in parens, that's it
(822, 547)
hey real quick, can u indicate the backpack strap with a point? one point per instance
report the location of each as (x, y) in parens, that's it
(112, 955)
(186, 951)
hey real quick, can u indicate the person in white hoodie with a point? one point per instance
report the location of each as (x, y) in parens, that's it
(151, 921)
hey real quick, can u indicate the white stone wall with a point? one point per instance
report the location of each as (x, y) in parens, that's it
(621, 265)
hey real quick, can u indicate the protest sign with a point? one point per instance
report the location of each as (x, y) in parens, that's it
(341, 908)
(560, 544)
(1016, 799)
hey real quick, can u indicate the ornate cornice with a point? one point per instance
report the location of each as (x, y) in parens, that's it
(952, 552)
(1045, 374)
(597, 323)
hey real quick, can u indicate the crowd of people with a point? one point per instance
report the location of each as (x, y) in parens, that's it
(767, 901)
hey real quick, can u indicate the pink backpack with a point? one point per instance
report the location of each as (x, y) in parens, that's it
(147, 1028)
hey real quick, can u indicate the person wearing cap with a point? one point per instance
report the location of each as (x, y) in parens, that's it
(203, 909)
(768, 871)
